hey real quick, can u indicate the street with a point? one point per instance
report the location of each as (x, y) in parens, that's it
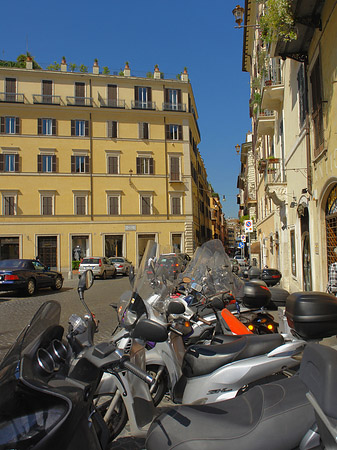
(16, 310)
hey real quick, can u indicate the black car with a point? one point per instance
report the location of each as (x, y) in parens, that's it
(27, 275)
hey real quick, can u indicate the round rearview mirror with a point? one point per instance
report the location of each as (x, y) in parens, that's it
(86, 280)
(176, 307)
(186, 280)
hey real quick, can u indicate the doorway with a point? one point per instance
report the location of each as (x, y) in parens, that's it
(142, 241)
(47, 250)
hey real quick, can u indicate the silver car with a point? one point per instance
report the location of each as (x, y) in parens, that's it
(100, 266)
(122, 264)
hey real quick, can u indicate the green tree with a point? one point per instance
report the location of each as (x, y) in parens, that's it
(21, 61)
(106, 70)
(83, 68)
(278, 21)
(72, 67)
(55, 66)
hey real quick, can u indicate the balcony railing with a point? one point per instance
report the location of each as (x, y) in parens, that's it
(174, 107)
(79, 101)
(46, 99)
(11, 97)
(138, 104)
(111, 103)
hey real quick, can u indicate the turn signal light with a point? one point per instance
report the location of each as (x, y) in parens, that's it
(270, 327)
(251, 327)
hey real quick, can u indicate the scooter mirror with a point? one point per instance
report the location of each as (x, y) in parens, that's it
(186, 280)
(176, 307)
(132, 275)
(86, 280)
(218, 303)
(196, 287)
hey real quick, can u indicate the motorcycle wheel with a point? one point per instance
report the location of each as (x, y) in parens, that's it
(161, 384)
(118, 418)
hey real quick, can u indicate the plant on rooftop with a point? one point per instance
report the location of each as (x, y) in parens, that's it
(21, 61)
(83, 68)
(106, 70)
(72, 67)
(278, 22)
(55, 66)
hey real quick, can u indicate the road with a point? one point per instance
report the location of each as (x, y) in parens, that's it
(16, 310)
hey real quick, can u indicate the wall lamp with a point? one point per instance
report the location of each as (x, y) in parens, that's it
(237, 148)
(238, 13)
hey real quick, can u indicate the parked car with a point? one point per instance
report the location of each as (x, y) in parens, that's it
(122, 264)
(28, 275)
(171, 264)
(240, 260)
(100, 266)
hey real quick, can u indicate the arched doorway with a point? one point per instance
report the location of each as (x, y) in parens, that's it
(331, 225)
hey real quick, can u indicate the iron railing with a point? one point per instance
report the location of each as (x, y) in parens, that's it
(174, 107)
(79, 101)
(138, 104)
(111, 103)
(11, 97)
(46, 99)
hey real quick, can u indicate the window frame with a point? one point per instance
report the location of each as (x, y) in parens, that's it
(78, 196)
(179, 175)
(74, 164)
(112, 129)
(42, 206)
(145, 165)
(3, 161)
(108, 156)
(12, 195)
(114, 196)
(144, 130)
(74, 124)
(141, 197)
(174, 132)
(172, 206)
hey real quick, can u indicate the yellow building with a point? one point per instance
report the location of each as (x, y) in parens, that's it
(95, 164)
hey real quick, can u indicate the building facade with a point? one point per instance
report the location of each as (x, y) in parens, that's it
(94, 164)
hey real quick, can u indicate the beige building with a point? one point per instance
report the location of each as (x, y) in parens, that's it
(95, 164)
(293, 109)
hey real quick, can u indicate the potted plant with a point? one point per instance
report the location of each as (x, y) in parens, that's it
(95, 62)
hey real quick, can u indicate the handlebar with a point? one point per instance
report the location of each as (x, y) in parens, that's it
(176, 331)
(137, 371)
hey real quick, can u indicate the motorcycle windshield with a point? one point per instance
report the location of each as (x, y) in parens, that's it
(151, 289)
(210, 267)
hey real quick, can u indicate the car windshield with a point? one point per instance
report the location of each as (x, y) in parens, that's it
(117, 260)
(13, 264)
(90, 261)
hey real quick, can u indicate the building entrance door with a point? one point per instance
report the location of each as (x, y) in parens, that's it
(47, 250)
(142, 241)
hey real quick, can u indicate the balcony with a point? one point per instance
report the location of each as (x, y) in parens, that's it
(46, 99)
(138, 104)
(272, 94)
(79, 101)
(266, 122)
(111, 103)
(174, 107)
(10, 97)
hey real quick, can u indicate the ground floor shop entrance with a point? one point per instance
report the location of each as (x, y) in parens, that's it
(47, 250)
(113, 245)
(142, 242)
(9, 247)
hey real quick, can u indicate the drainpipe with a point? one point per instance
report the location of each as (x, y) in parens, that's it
(91, 157)
(166, 176)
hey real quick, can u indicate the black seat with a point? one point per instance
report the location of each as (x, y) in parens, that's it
(204, 359)
(272, 416)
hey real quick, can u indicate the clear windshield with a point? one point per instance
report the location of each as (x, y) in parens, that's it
(151, 289)
(211, 268)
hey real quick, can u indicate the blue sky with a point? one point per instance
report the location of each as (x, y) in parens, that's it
(174, 34)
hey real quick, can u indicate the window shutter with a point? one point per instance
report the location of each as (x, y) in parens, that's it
(140, 130)
(39, 126)
(109, 126)
(17, 125)
(166, 96)
(2, 125)
(54, 127)
(112, 91)
(87, 164)
(139, 168)
(151, 166)
(16, 163)
(112, 164)
(145, 130)
(73, 128)
(179, 96)
(86, 127)
(2, 162)
(180, 128)
(39, 163)
(149, 94)
(174, 169)
(54, 163)
(167, 132)
(73, 163)
(114, 129)
(113, 205)
(136, 93)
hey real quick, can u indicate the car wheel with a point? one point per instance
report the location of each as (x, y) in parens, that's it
(31, 287)
(58, 283)
(104, 275)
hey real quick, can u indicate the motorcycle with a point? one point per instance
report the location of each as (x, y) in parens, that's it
(49, 379)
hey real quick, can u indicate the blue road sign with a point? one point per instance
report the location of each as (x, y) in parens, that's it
(241, 244)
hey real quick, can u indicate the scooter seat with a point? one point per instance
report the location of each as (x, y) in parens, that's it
(272, 416)
(203, 359)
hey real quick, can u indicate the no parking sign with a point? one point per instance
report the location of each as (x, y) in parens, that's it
(249, 226)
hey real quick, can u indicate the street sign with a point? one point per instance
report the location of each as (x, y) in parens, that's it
(243, 238)
(241, 244)
(248, 226)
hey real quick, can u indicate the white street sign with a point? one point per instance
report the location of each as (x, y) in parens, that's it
(249, 226)
(243, 238)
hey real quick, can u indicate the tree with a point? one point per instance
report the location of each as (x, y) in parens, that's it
(21, 61)
(277, 22)
(55, 66)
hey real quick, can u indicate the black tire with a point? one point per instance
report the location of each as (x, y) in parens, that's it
(58, 283)
(31, 287)
(161, 385)
(103, 275)
(118, 418)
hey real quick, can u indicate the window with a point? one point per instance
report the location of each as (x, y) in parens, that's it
(146, 204)
(9, 205)
(145, 166)
(302, 94)
(46, 163)
(79, 164)
(143, 129)
(9, 125)
(293, 252)
(10, 89)
(174, 168)
(112, 95)
(47, 91)
(143, 98)
(80, 205)
(317, 111)
(174, 132)
(46, 127)
(175, 205)
(112, 129)
(47, 205)
(172, 99)
(113, 164)
(79, 94)
(113, 205)
(80, 128)
(9, 162)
